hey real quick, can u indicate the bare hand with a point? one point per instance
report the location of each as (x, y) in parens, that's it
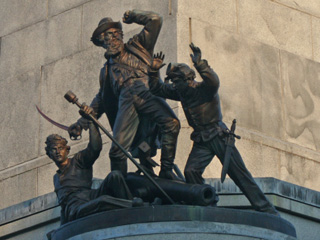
(157, 61)
(127, 18)
(196, 56)
(85, 111)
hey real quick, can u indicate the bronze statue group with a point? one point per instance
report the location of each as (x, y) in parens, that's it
(132, 95)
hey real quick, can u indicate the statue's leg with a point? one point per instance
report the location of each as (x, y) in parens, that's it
(102, 203)
(124, 130)
(200, 157)
(161, 113)
(113, 185)
(243, 178)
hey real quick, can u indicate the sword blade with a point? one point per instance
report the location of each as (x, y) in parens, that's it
(226, 162)
(52, 121)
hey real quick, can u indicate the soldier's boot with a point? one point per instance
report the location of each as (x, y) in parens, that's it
(168, 152)
(167, 171)
(146, 162)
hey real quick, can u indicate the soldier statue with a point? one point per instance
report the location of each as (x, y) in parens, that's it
(73, 180)
(201, 104)
(124, 93)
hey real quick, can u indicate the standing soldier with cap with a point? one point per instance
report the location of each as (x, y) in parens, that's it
(201, 104)
(124, 92)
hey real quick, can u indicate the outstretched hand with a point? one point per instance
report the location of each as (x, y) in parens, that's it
(157, 61)
(196, 56)
(127, 18)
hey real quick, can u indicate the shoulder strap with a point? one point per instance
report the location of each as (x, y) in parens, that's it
(137, 49)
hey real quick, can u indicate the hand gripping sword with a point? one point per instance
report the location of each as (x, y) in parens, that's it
(72, 98)
(230, 145)
(73, 135)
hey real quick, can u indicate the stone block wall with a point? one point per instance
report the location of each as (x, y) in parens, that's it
(266, 53)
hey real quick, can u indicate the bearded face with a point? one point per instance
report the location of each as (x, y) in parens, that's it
(112, 41)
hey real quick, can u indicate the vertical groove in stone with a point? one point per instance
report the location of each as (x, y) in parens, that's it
(237, 15)
(81, 28)
(282, 135)
(39, 117)
(312, 39)
(190, 30)
(47, 9)
(37, 182)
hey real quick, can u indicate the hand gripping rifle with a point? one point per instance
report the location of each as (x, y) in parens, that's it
(72, 98)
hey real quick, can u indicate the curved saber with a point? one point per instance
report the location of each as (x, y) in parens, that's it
(51, 121)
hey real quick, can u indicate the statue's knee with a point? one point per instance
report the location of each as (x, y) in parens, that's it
(174, 126)
(115, 174)
(114, 152)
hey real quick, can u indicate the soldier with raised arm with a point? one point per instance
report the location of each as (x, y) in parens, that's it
(124, 92)
(201, 104)
(73, 180)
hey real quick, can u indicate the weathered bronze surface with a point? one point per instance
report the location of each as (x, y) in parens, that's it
(73, 179)
(132, 96)
(133, 112)
(201, 104)
(229, 147)
(180, 192)
(72, 98)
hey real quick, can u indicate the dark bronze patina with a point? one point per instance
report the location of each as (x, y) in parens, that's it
(201, 104)
(73, 179)
(132, 96)
(124, 95)
(180, 192)
(72, 98)
(230, 145)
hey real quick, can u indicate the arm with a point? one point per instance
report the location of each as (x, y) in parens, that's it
(92, 152)
(96, 103)
(161, 89)
(156, 85)
(96, 106)
(75, 129)
(152, 25)
(209, 77)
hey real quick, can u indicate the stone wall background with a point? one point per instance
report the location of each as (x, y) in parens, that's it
(266, 53)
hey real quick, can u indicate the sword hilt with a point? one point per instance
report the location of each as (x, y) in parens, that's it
(230, 133)
(233, 126)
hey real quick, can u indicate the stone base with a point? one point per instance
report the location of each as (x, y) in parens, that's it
(177, 222)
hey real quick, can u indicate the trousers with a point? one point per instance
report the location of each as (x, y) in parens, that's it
(202, 154)
(132, 104)
(113, 193)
